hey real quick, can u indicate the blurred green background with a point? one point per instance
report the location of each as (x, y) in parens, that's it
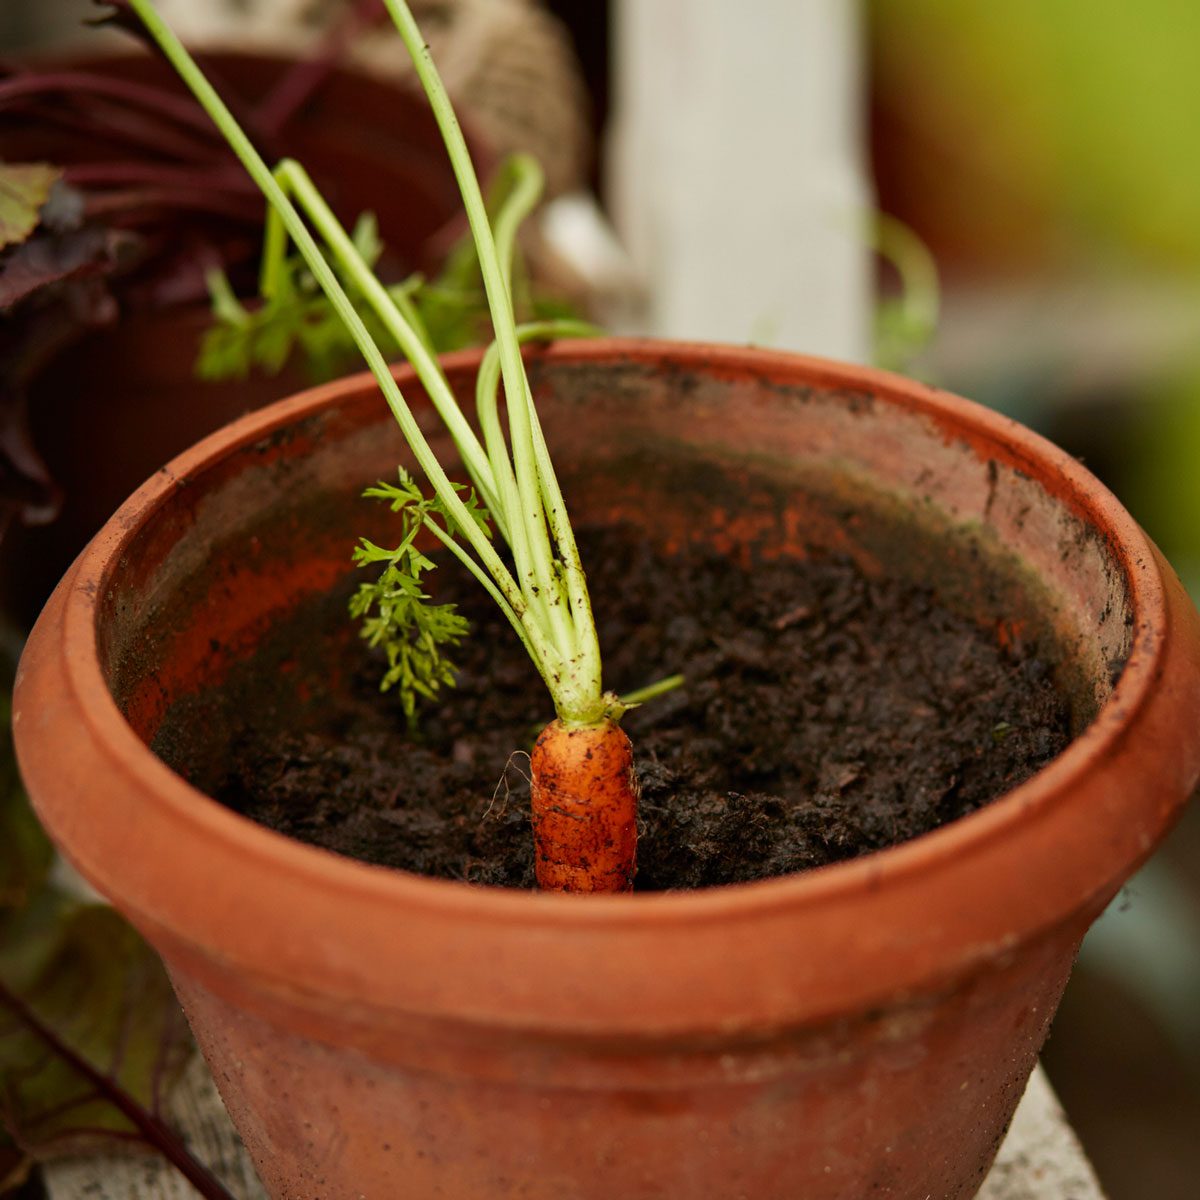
(1048, 152)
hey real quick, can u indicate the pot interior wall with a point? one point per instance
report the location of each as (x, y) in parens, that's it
(755, 465)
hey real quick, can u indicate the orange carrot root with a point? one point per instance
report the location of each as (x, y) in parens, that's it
(584, 800)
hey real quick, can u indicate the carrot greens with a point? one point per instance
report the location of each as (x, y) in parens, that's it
(395, 611)
(544, 592)
(293, 318)
(584, 791)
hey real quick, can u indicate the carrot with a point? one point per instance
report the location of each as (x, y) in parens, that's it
(584, 801)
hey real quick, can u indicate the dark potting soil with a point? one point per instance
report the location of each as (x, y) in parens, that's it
(825, 715)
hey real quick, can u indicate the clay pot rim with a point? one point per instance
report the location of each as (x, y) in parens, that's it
(959, 419)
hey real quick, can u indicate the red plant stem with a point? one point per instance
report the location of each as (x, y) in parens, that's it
(144, 101)
(292, 92)
(105, 123)
(156, 101)
(144, 201)
(154, 1132)
(224, 177)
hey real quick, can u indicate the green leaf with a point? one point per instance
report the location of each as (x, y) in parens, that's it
(905, 324)
(24, 188)
(396, 614)
(91, 1035)
(223, 354)
(297, 319)
(294, 319)
(366, 238)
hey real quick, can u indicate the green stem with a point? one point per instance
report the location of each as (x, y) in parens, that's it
(542, 580)
(516, 481)
(402, 299)
(652, 690)
(294, 178)
(492, 590)
(584, 653)
(528, 182)
(487, 384)
(274, 253)
(226, 305)
(916, 266)
(546, 653)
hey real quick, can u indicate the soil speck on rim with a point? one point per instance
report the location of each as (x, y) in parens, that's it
(825, 715)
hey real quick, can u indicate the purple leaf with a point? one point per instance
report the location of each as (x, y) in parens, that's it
(54, 259)
(91, 1036)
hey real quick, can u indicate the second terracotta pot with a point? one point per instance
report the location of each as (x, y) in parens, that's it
(122, 400)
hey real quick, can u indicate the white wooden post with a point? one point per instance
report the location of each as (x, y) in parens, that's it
(737, 170)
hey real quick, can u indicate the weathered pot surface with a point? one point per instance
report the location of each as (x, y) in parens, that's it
(864, 1029)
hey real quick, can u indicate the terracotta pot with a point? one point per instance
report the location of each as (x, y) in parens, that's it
(864, 1029)
(123, 400)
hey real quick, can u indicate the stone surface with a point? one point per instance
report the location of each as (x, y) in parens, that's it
(1041, 1159)
(197, 1113)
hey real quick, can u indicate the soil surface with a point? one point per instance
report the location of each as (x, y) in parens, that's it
(825, 715)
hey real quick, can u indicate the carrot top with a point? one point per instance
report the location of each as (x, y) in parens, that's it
(541, 588)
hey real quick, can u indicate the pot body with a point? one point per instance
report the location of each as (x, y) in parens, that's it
(864, 1029)
(910, 1100)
